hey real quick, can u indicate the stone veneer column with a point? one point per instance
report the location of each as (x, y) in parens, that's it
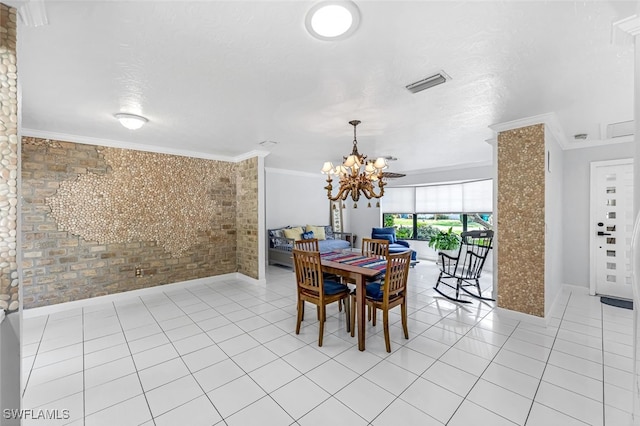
(521, 220)
(247, 217)
(9, 290)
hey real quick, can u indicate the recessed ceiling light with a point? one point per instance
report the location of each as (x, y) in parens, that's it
(332, 20)
(130, 121)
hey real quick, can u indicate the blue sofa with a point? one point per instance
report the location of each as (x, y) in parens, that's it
(395, 245)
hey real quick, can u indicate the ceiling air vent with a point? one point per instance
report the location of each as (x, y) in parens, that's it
(428, 82)
(623, 128)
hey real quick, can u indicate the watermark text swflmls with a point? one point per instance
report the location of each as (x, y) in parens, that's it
(30, 414)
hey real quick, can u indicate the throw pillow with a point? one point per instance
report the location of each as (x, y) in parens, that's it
(318, 231)
(328, 232)
(307, 235)
(294, 233)
(275, 235)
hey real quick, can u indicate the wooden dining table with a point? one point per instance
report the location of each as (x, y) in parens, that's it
(360, 275)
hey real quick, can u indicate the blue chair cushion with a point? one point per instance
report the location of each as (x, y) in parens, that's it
(332, 287)
(374, 291)
(387, 233)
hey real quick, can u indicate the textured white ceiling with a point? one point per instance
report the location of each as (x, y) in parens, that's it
(218, 77)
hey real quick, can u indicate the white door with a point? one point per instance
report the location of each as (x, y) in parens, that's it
(611, 227)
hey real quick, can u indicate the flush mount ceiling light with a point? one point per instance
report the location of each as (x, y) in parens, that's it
(130, 121)
(332, 20)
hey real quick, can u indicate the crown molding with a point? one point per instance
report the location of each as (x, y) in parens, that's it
(32, 12)
(250, 154)
(292, 172)
(87, 140)
(599, 142)
(550, 120)
(454, 167)
(624, 31)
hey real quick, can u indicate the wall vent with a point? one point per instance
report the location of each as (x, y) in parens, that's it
(621, 129)
(428, 82)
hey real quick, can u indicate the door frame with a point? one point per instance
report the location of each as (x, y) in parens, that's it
(592, 216)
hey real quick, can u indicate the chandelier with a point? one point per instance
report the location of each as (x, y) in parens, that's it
(357, 175)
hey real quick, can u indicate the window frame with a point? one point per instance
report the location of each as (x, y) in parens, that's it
(465, 219)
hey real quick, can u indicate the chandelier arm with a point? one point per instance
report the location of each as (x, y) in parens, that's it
(353, 182)
(343, 192)
(329, 189)
(370, 192)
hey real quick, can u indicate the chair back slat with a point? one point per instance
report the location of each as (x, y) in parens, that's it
(310, 244)
(396, 275)
(308, 271)
(375, 247)
(473, 253)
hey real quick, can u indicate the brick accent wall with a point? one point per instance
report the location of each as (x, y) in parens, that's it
(9, 283)
(247, 217)
(93, 215)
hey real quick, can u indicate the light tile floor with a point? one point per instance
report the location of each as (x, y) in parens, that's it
(227, 353)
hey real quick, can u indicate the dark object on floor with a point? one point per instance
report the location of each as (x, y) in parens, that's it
(619, 303)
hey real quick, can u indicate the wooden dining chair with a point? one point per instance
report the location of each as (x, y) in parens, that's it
(307, 245)
(314, 288)
(389, 293)
(311, 244)
(373, 247)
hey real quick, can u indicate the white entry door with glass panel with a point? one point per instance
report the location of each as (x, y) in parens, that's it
(611, 227)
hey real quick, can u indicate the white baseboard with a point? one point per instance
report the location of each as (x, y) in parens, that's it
(544, 321)
(519, 316)
(564, 289)
(242, 277)
(110, 298)
(575, 288)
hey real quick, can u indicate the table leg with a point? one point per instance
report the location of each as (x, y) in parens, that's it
(360, 311)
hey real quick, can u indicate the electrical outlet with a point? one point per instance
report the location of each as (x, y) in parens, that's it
(139, 272)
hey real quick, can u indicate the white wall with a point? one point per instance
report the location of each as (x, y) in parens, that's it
(553, 198)
(636, 98)
(295, 198)
(636, 203)
(575, 201)
(361, 220)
